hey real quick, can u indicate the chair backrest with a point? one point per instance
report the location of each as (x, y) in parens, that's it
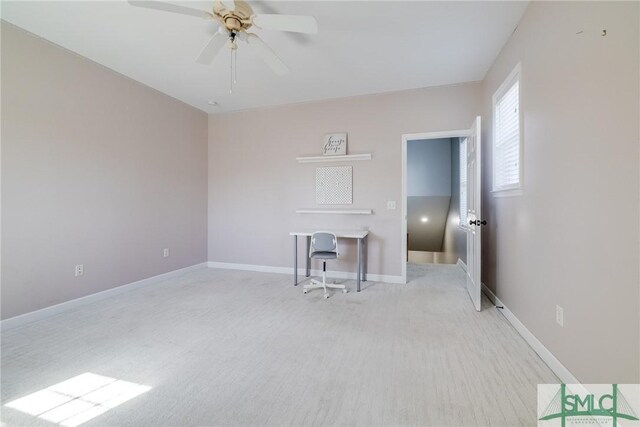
(323, 241)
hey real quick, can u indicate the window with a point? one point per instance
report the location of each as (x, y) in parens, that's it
(506, 135)
(463, 182)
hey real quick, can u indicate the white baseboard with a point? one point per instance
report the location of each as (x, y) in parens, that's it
(22, 319)
(301, 272)
(554, 364)
(462, 265)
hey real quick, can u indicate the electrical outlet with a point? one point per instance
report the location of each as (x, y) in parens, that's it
(79, 270)
(391, 205)
(559, 316)
(165, 252)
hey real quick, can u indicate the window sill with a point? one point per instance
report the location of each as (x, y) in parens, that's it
(507, 193)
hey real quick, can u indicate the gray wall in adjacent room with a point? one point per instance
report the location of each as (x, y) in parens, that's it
(429, 192)
(429, 167)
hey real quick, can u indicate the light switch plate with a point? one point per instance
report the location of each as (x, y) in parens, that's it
(391, 205)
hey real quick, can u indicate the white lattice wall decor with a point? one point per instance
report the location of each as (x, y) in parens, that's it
(334, 185)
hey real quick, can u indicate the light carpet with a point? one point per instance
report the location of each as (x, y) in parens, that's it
(223, 347)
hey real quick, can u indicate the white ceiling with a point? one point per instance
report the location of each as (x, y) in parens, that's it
(362, 47)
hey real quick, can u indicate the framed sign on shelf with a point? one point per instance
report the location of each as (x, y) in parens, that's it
(335, 144)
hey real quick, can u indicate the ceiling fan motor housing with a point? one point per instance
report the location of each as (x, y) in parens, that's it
(234, 20)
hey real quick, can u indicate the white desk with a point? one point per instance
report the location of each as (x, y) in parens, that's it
(359, 235)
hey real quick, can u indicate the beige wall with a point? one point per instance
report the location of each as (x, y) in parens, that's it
(100, 170)
(96, 170)
(572, 238)
(255, 183)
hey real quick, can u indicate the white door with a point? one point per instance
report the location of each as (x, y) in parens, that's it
(474, 217)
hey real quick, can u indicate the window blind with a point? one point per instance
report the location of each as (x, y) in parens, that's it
(463, 183)
(506, 142)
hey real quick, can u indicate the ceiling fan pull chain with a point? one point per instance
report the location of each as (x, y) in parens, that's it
(235, 66)
(231, 73)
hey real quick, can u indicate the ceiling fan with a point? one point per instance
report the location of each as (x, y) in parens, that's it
(235, 18)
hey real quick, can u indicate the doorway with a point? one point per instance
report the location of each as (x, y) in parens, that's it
(427, 206)
(435, 232)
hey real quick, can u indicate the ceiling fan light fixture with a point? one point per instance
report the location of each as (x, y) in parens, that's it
(235, 17)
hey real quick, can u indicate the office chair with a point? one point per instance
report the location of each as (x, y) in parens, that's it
(324, 246)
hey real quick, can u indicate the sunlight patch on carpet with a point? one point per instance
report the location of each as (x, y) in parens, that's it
(78, 399)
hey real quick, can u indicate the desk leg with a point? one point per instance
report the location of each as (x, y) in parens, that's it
(306, 256)
(295, 260)
(365, 258)
(359, 267)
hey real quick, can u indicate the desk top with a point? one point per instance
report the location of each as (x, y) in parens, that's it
(349, 234)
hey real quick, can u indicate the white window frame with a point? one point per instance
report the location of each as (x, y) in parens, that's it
(512, 78)
(462, 224)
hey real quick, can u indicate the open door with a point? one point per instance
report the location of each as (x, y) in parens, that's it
(474, 231)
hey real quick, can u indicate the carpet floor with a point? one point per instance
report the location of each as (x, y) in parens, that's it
(235, 348)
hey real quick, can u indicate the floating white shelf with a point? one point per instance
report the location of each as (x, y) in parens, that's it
(336, 211)
(345, 158)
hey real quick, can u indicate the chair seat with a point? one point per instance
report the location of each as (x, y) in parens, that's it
(324, 255)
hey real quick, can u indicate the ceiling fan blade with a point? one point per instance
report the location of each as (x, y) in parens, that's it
(212, 48)
(170, 7)
(294, 23)
(229, 4)
(267, 54)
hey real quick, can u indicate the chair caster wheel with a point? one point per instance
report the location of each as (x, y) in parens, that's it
(305, 291)
(326, 296)
(344, 291)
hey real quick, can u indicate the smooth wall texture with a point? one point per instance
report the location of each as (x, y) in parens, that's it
(429, 167)
(98, 170)
(572, 238)
(255, 183)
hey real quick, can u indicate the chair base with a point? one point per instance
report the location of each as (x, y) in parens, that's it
(317, 284)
